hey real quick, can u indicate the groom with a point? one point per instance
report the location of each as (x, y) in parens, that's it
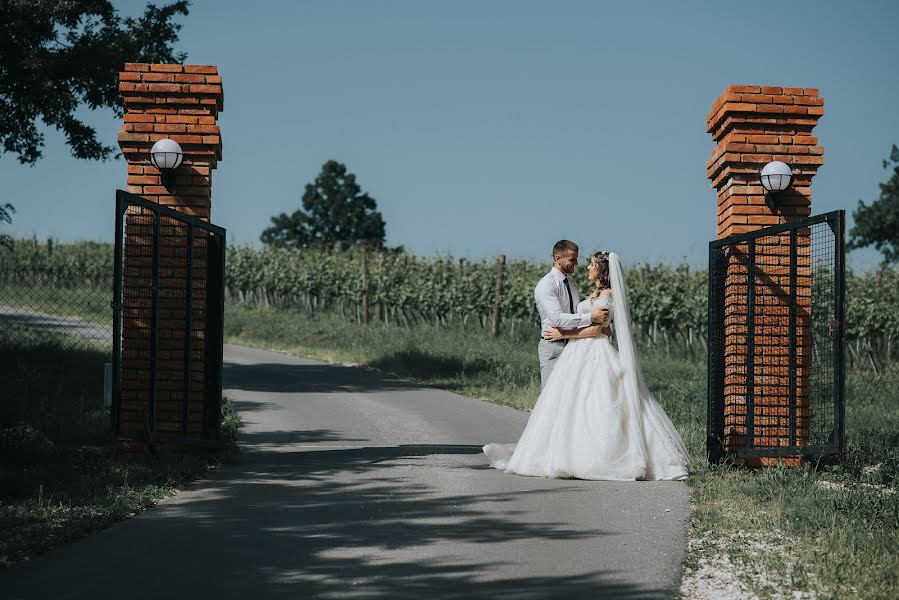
(556, 302)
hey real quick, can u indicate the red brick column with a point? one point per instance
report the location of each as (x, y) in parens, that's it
(180, 102)
(754, 125)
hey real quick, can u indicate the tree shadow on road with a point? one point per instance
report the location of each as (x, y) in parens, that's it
(414, 363)
(359, 521)
(311, 436)
(323, 523)
(350, 522)
(301, 378)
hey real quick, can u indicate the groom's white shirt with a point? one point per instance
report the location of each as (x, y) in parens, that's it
(552, 303)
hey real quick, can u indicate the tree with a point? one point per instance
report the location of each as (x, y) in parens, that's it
(878, 223)
(6, 211)
(335, 213)
(58, 55)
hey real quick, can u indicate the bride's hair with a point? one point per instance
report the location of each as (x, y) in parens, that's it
(601, 260)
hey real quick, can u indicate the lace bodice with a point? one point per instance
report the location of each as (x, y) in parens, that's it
(590, 304)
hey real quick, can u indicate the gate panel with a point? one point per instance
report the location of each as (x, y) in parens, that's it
(715, 426)
(775, 340)
(168, 324)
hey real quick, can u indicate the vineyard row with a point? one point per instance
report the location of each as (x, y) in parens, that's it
(668, 303)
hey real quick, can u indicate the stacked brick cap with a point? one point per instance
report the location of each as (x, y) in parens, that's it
(180, 102)
(754, 125)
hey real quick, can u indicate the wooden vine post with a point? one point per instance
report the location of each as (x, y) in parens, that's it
(365, 287)
(380, 309)
(498, 296)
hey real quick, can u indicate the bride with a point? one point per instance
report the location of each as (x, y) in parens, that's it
(595, 418)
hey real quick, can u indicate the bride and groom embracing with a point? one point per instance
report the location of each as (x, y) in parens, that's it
(595, 417)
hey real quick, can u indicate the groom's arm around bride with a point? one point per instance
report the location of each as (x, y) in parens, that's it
(556, 299)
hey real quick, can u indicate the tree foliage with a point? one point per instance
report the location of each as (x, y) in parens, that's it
(6, 211)
(335, 214)
(878, 223)
(59, 55)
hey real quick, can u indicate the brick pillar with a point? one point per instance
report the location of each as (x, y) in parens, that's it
(180, 102)
(752, 126)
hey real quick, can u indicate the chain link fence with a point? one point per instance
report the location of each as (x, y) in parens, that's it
(56, 334)
(55, 345)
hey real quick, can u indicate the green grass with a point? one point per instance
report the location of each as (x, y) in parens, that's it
(833, 528)
(90, 303)
(829, 529)
(54, 383)
(449, 358)
(59, 476)
(80, 490)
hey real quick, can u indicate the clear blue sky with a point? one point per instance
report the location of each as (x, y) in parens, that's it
(482, 127)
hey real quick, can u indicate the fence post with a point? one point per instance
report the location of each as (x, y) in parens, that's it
(380, 307)
(463, 318)
(500, 267)
(364, 286)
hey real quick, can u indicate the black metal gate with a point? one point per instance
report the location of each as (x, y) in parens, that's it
(775, 363)
(168, 310)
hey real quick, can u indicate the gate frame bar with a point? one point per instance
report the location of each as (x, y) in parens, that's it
(836, 220)
(123, 201)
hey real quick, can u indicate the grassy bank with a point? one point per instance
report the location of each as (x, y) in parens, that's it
(59, 477)
(829, 532)
(831, 529)
(89, 303)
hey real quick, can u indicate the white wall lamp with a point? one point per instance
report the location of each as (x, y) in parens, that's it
(775, 177)
(166, 156)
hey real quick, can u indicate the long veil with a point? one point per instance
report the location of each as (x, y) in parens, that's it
(651, 410)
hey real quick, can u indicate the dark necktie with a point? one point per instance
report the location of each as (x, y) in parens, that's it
(570, 300)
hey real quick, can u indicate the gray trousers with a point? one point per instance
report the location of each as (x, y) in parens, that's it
(548, 353)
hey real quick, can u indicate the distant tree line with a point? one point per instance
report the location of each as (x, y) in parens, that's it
(336, 214)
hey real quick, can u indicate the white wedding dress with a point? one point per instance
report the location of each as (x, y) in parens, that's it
(595, 419)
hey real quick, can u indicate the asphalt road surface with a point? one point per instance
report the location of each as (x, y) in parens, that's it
(27, 318)
(356, 484)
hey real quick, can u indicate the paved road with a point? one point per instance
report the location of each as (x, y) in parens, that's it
(354, 484)
(24, 317)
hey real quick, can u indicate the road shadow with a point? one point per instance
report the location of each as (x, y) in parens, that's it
(292, 378)
(311, 436)
(26, 319)
(413, 363)
(342, 522)
(244, 406)
(347, 523)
